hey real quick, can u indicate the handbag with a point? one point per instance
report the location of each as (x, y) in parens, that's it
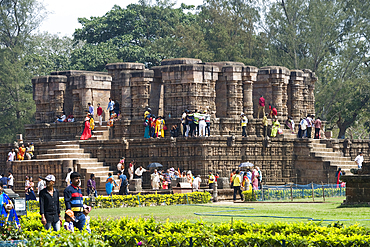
(165, 127)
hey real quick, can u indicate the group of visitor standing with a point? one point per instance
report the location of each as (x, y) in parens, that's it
(195, 123)
(154, 126)
(307, 124)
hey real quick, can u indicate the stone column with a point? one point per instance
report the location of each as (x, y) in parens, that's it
(249, 76)
(140, 85)
(234, 92)
(126, 104)
(295, 97)
(277, 94)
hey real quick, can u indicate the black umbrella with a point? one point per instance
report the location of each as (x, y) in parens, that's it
(154, 165)
(246, 164)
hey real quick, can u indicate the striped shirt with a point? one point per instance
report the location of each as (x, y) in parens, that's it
(73, 198)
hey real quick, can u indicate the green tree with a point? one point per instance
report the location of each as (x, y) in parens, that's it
(139, 33)
(18, 18)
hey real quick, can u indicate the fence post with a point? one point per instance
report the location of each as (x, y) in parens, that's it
(323, 191)
(291, 192)
(313, 196)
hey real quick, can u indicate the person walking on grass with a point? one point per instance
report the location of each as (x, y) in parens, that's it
(49, 205)
(236, 182)
(74, 201)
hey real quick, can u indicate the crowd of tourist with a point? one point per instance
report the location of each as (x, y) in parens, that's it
(21, 152)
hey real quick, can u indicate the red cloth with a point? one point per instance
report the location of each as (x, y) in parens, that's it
(100, 111)
(261, 101)
(274, 111)
(318, 124)
(87, 131)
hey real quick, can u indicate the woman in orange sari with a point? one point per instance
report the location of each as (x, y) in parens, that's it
(86, 134)
(22, 151)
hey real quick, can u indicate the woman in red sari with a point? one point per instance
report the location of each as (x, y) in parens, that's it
(86, 134)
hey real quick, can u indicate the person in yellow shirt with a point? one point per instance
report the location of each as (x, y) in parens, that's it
(211, 180)
(265, 124)
(244, 122)
(236, 182)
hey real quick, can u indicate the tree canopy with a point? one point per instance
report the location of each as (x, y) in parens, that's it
(330, 37)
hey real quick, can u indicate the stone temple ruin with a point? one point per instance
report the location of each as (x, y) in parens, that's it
(225, 89)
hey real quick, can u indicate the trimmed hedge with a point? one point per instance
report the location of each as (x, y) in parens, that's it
(138, 200)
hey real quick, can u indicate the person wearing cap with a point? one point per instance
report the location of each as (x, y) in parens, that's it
(74, 200)
(244, 121)
(49, 205)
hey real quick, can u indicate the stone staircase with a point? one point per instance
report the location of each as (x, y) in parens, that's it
(70, 150)
(335, 159)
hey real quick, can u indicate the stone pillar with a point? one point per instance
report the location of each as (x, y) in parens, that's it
(295, 97)
(140, 92)
(249, 76)
(234, 90)
(126, 104)
(309, 79)
(277, 94)
(48, 94)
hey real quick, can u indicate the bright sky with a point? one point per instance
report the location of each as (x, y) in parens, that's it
(62, 17)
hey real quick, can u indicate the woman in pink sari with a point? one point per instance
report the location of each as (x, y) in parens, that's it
(86, 134)
(255, 179)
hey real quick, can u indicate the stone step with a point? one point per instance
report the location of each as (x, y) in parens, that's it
(67, 146)
(65, 150)
(63, 156)
(101, 128)
(97, 170)
(98, 133)
(326, 154)
(334, 159)
(319, 149)
(92, 165)
(87, 160)
(317, 145)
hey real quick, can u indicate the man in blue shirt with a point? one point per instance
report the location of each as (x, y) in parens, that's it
(4, 180)
(74, 200)
(110, 106)
(123, 184)
(91, 109)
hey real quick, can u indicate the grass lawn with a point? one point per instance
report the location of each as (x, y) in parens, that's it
(328, 210)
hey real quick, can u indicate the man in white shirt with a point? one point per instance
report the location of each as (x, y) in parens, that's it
(139, 172)
(68, 177)
(359, 159)
(196, 182)
(11, 180)
(11, 155)
(41, 185)
(303, 124)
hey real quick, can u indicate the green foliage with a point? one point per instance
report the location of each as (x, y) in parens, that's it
(285, 194)
(138, 200)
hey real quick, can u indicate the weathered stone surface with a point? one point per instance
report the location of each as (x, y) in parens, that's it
(173, 61)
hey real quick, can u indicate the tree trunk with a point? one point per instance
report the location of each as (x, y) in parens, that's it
(342, 132)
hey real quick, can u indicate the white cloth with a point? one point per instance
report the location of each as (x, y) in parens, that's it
(196, 183)
(309, 121)
(68, 178)
(100, 120)
(11, 156)
(139, 172)
(131, 172)
(359, 159)
(40, 186)
(11, 180)
(303, 124)
(202, 127)
(119, 167)
(155, 181)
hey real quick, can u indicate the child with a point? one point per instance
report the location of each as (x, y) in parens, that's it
(87, 210)
(69, 218)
